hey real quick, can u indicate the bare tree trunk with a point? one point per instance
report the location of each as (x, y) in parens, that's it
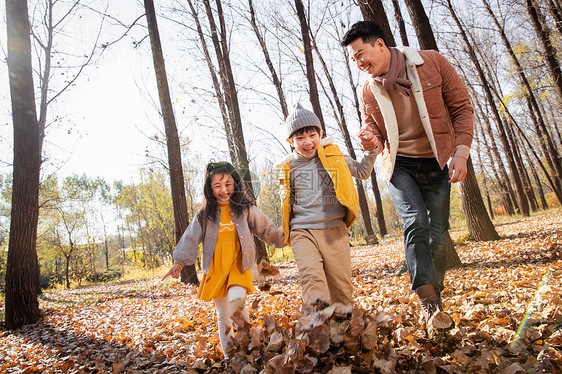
(216, 84)
(46, 74)
(453, 260)
(480, 230)
(21, 305)
(480, 219)
(542, 138)
(483, 174)
(219, 38)
(52, 28)
(527, 186)
(426, 39)
(549, 51)
(378, 202)
(556, 15)
(509, 122)
(553, 184)
(401, 23)
(508, 196)
(67, 257)
(544, 203)
(105, 245)
(523, 203)
(375, 187)
(370, 238)
(504, 186)
(231, 92)
(373, 10)
(274, 76)
(310, 75)
(340, 118)
(543, 134)
(181, 217)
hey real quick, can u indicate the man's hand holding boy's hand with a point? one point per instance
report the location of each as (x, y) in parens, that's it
(367, 140)
(173, 272)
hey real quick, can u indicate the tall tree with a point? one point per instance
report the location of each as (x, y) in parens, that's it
(401, 23)
(547, 145)
(274, 76)
(556, 13)
(47, 35)
(216, 83)
(181, 217)
(310, 74)
(477, 229)
(473, 197)
(220, 39)
(21, 304)
(420, 21)
(373, 10)
(342, 123)
(508, 196)
(374, 183)
(483, 175)
(517, 154)
(549, 51)
(522, 198)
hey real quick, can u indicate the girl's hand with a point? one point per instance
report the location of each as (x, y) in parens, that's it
(173, 272)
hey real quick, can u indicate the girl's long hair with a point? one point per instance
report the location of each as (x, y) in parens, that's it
(238, 201)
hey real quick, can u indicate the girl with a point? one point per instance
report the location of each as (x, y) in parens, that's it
(225, 225)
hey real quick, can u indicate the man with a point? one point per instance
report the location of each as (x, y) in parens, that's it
(416, 112)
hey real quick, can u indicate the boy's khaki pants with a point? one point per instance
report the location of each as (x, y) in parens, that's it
(324, 261)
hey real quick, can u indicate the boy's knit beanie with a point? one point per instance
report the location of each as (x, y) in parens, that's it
(299, 118)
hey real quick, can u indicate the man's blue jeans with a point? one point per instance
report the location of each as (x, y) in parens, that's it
(421, 192)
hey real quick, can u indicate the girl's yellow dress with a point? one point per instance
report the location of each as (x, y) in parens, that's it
(227, 259)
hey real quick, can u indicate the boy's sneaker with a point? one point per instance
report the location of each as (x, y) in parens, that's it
(436, 321)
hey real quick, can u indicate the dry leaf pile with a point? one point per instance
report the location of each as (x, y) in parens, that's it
(505, 299)
(323, 341)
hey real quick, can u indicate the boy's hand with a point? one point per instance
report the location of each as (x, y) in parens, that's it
(367, 140)
(173, 272)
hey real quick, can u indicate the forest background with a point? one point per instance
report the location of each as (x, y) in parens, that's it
(106, 204)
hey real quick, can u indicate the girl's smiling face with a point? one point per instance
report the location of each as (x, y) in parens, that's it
(222, 186)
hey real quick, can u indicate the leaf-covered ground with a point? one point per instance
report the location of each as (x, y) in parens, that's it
(505, 299)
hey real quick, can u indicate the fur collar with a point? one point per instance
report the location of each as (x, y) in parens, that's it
(411, 54)
(291, 156)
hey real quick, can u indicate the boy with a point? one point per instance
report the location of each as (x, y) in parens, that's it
(319, 204)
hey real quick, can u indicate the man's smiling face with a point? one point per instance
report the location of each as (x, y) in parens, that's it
(374, 59)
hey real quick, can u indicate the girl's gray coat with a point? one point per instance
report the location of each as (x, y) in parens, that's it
(251, 222)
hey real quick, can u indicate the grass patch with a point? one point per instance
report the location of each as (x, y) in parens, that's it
(281, 254)
(136, 273)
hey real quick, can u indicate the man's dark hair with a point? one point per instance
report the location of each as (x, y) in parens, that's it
(368, 31)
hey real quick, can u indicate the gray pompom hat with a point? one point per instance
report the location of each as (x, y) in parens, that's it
(299, 118)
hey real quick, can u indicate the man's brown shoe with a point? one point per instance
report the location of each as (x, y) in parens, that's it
(436, 321)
